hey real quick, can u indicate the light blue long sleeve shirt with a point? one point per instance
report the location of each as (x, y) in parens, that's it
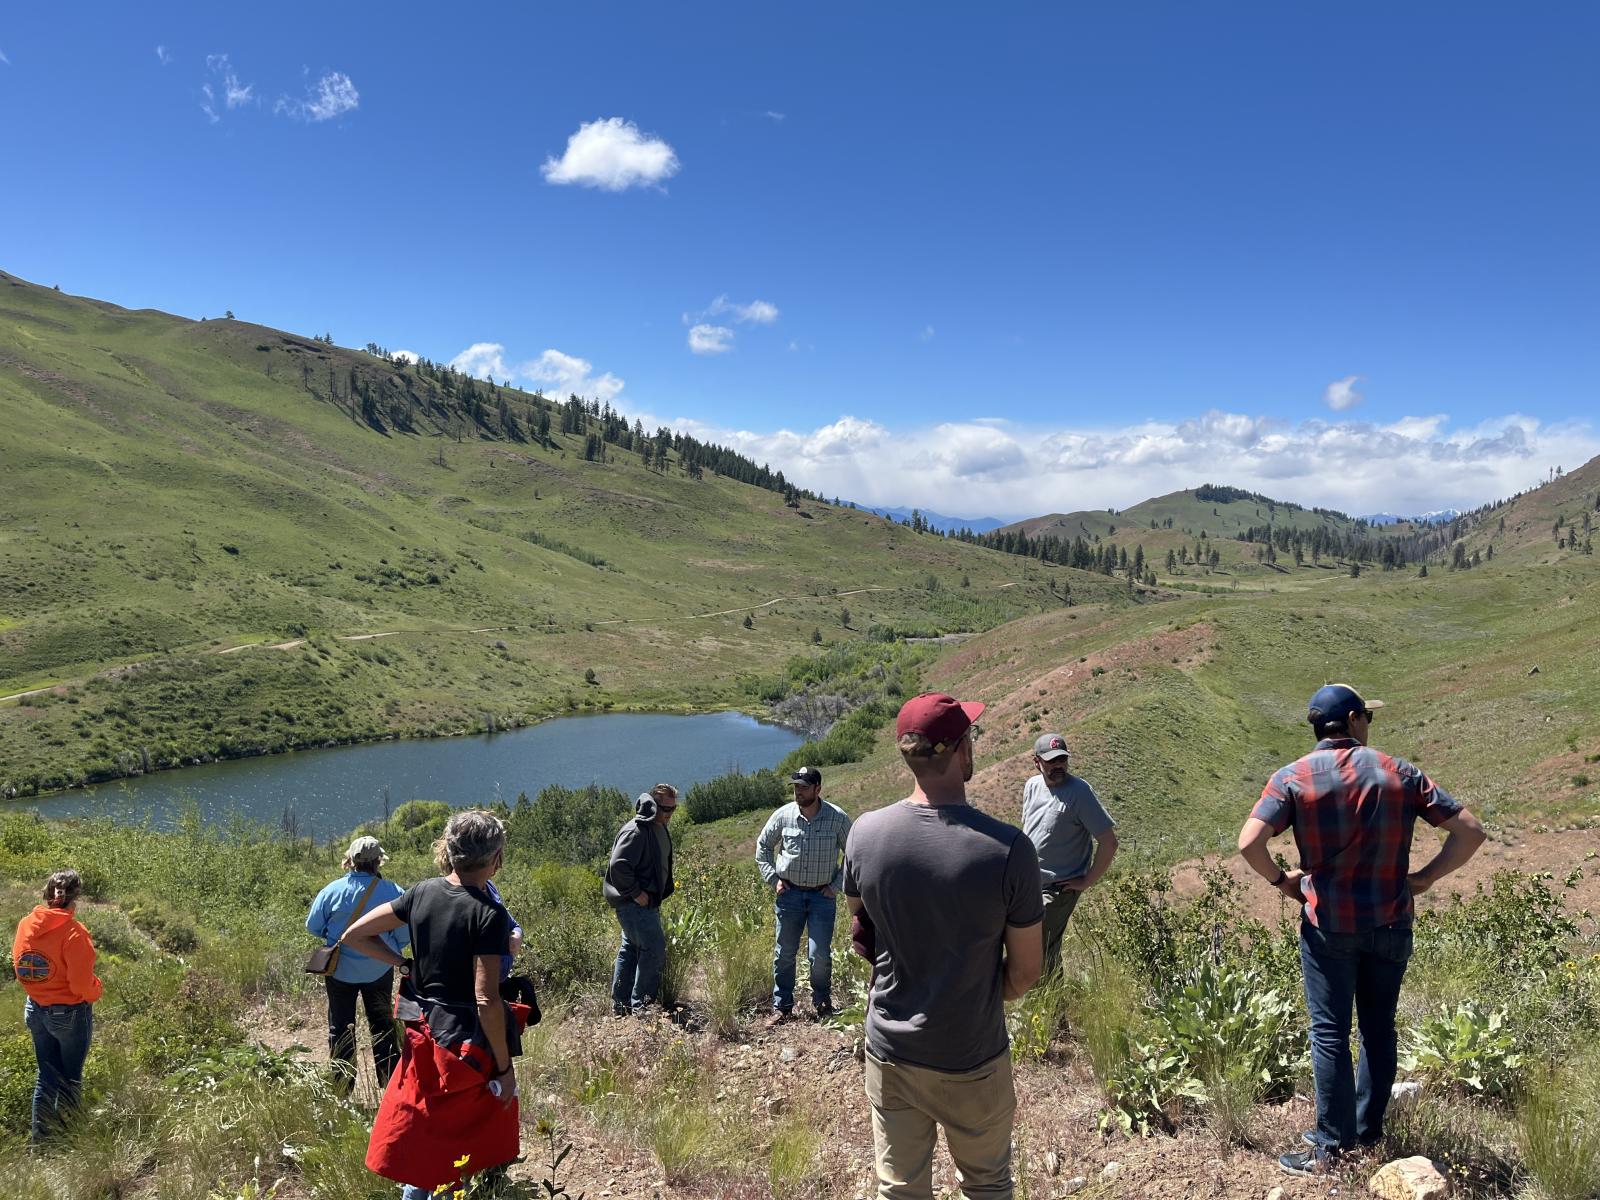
(334, 909)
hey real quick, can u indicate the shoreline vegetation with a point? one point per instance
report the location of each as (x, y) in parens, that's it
(813, 694)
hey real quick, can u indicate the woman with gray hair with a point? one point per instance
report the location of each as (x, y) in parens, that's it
(453, 1096)
(354, 975)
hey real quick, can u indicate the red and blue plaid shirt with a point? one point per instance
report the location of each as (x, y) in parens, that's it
(1353, 809)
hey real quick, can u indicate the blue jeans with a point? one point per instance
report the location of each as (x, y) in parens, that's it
(637, 978)
(811, 913)
(1367, 969)
(61, 1035)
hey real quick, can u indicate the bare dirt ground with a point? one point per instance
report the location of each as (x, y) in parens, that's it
(812, 1072)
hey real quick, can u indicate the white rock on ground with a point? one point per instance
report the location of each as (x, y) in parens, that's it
(1413, 1178)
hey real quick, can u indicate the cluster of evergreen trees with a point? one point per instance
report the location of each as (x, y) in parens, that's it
(421, 396)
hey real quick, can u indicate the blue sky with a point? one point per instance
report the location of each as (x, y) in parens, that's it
(988, 259)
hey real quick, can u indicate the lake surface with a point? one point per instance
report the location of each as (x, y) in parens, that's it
(334, 790)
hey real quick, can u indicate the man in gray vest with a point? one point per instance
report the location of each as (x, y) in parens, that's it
(952, 895)
(1075, 836)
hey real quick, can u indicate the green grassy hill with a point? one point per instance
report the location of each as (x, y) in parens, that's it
(203, 524)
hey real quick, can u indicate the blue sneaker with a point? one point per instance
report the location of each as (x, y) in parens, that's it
(1306, 1162)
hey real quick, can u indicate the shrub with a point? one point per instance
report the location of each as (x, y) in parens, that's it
(1469, 1048)
(734, 793)
(567, 825)
(1224, 1039)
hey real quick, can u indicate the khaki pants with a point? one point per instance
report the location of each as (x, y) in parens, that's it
(1058, 906)
(975, 1108)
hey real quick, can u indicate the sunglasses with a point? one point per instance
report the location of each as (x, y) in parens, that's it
(666, 808)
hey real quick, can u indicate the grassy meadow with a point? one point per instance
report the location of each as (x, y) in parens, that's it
(207, 550)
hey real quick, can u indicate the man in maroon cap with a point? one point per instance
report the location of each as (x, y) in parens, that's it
(952, 895)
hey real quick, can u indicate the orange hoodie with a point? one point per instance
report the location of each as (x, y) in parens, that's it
(54, 958)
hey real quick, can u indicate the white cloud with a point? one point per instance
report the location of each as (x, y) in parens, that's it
(4, 59)
(409, 356)
(559, 373)
(331, 96)
(163, 57)
(611, 154)
(926, 335)
(1415, 464)
(233, 94)
(710, 339)
(1341, 393)
(553, 372)
(482, 360)
(758, 312)
(774, 116)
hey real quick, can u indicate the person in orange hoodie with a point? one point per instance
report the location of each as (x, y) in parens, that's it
(53, 957)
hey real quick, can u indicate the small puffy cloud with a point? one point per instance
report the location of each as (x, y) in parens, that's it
(758, 312)
(482, 360)
(163, 57)
(553, 372)
(1341, 393)
(409, 356)
(556, 373)
(774, 116)
(926, 335)
(331, 96)
(611, 154)
(710, 339)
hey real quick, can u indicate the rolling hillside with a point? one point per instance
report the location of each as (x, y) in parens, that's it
(220, 539)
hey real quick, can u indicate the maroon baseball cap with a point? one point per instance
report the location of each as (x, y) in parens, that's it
(940, 718)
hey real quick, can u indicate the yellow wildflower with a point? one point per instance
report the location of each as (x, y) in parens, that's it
(463, 1161)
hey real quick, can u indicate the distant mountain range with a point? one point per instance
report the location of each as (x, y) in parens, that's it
(1439, 517)
(937, 521)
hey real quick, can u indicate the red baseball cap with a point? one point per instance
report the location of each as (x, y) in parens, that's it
(940, 718)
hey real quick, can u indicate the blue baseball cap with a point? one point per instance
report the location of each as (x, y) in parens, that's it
(1336, 702)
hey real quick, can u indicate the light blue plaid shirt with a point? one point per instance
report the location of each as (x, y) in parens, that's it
(808, 854)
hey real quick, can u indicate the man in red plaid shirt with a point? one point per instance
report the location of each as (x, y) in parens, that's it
(1353, 809)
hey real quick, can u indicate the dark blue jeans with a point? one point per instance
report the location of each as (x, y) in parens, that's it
(810, 913)
(61, 1035)
(377, 999)
(1365, 969)
(636, 979)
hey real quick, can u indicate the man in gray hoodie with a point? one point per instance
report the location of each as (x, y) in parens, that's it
(638, 878)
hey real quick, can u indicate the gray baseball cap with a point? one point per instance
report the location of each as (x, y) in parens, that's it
(366, 849)
(1050, 747)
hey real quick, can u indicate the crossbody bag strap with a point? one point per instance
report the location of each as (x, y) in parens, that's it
(365, 896)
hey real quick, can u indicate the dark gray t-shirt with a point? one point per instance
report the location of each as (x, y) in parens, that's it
(941, 884)
(1063, 823)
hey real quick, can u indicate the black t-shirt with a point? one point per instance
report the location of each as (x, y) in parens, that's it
(450, 926)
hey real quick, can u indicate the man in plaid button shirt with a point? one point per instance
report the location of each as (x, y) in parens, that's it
(799, 857)
(1353, 809)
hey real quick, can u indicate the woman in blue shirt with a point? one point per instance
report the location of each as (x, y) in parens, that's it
(362, 889)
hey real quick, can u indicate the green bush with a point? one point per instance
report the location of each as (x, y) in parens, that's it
(1469, 1048)
(569, 932)
(567, 825)
(17, 1070)
(727, 795)
(163, 924)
